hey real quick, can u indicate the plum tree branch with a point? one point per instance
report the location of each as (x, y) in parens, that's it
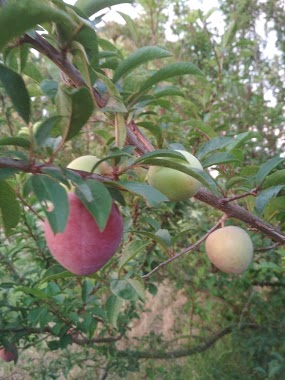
(237, 212)
(152, 354)
(83, 341)
(205, 196)
(136, 137)
(186, 250)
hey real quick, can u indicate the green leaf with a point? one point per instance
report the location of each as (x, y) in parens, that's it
(16, 89)
(202, 127)
(47, 189)
(131, 25)
(9, 207)
(274, 207)
(266, 168)
(42, 132)
(75, 105)
(212, 145)
(89, 7)
(56, 272)
(32, 71)
(274, 179)
(168, 153)
(168, 72)
(152, 196)
(86, 289)
(16, 141)
(21, 16)
(138, 286)
(38, 293)
(131, 251)
(139, 57)
(88, 38)
(124, 289)
(114, 102)
(240, 139)
(7, 172)
(120, 130)
(264, 197)
(168, 91)
(154, 128)
(155, 238)
(218, 158)
(97, 200)
(113, 307)
(49, 87)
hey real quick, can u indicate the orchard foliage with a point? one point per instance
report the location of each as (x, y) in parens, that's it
(71, 87)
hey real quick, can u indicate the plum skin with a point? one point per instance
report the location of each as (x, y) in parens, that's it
(88, 162)
(8, 355)
(176, 185)
(82, 248)
(230, 249)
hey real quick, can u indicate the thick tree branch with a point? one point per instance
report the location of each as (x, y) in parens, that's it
(151, 354)
(230, 209)
(48, 330)
(237, 212)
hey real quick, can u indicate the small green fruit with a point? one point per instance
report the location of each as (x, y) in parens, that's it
(176, 185)
(87, 164)
(230, 249)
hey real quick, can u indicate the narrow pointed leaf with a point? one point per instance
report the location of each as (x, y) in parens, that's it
(89, 7)
(21, 16)
(170, 71)
(75, 105)
(16, 89)
(266, 168)
(139, 57)
(212, 145)
(9, 207)
(113, 307)
(152, 196)
(97, 200)
(16, 141)
(47, 189)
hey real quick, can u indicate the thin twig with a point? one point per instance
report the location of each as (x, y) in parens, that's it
(186, 250)
(252, 192)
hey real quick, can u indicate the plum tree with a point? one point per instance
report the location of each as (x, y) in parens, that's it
(8, 355)
(82, 248)
(230, 249)
(176, 185)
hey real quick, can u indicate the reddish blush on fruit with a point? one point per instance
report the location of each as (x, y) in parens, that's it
(8, 355)
(82, 248)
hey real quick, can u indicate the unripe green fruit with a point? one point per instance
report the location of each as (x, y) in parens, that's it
(9, 355)
(82, 248)
(24, 132)
(230, 249)
(87, 163)
(176, 185)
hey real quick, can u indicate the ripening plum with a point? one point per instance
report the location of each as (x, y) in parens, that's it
(176, 185)
(230, 249)
(82, 248)
(8, 355)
